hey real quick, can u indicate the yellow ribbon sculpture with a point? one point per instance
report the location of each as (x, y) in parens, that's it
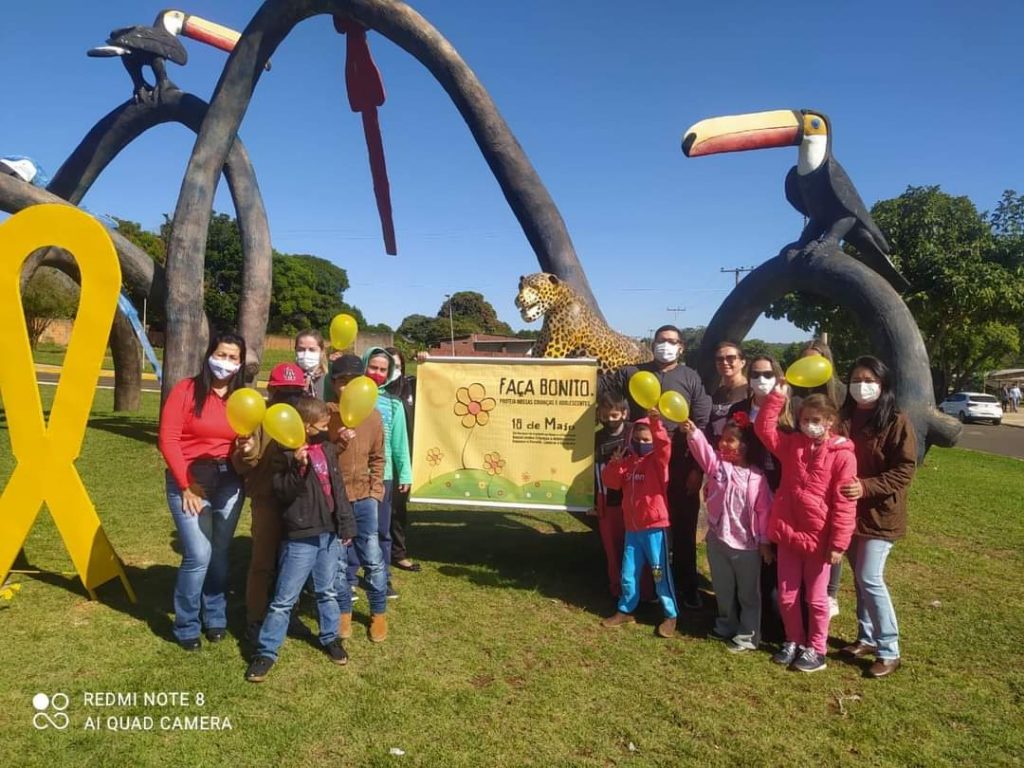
(46, 452)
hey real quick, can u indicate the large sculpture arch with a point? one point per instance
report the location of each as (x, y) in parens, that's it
(128, 122)
(526, 194)
(833, 275)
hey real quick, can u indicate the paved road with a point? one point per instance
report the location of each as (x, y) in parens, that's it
(106, 382)
(1003, 440)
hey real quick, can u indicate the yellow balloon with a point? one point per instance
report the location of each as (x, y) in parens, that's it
(811, 371)
(358, 399)
(673, 406)
(645, 389)
(246, 409)
(284, 425)
(343, 331)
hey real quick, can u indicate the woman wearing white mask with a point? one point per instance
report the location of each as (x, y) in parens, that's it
(311, 357)
(203, 490)
(886, 461)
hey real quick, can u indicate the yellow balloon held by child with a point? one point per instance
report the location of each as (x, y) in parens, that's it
(358, 399)
(645, 389)
(245, 411)
(811, 371)
(343, 331)
(673, 406)
(284, 425)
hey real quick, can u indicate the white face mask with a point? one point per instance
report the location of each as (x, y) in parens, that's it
(666, 352)
(865, 391)
(222, 369)
(763, 386)
(398, 371)
(308, 360)
(813, 431)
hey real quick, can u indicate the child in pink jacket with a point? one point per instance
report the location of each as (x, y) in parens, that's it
(811, 521)
(642, 475)
(739, 502)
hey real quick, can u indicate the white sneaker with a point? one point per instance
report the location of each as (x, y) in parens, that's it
(833, 607)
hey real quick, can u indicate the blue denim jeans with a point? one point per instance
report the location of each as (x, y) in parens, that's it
(315, 556)
(364, 549)
(876, 618)
(201, 586)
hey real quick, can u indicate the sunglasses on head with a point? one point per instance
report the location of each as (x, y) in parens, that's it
(726, 358)
(762, 374)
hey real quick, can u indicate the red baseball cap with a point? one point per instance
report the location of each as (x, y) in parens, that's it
(286, 375)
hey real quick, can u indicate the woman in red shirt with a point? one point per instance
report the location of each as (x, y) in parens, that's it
(203, 491)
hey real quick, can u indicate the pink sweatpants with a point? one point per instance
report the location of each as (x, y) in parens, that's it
(796, 568)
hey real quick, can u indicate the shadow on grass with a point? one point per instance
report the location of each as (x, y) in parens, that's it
(518, 550)
(132, 427)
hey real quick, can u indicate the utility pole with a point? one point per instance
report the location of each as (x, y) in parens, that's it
(675, 315)
(737, 271)
(451, 321)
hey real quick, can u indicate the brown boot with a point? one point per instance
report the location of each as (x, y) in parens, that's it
(378, 627)
(345, 626)
(667, 628)
(617, 619)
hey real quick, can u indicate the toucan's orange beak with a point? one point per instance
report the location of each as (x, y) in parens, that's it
(211, 33)
(737, 133)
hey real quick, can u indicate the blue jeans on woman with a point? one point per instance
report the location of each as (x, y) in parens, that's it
(876, 618)
(365, 549)
(315, 556)
(201, 586)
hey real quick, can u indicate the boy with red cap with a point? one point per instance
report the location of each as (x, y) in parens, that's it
(251, 459)
(642, 475)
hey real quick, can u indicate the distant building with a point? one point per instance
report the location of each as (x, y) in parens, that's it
(484, 345)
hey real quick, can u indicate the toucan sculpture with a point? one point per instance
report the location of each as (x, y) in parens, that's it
(142, 46)
(817, 185)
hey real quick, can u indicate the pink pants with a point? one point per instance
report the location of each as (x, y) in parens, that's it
(613, 537)
(796, 568)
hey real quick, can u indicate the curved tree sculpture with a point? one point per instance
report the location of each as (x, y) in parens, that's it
(164, 102)
(120, 128)
(526, 194)
(866, 284)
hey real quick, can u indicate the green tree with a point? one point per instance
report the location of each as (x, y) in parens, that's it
(475, 313)
(967, 279)
(151, 242)
(49, 295)
(308, 292)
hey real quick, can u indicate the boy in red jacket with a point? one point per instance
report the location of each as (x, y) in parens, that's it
(642, 476)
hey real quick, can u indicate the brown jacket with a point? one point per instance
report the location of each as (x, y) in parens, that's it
(886, 463)
(362, 460)
(254, 467)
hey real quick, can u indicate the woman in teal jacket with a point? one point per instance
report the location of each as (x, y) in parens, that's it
(380, 367)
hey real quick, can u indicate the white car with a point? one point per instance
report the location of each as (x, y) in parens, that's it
(973, 406)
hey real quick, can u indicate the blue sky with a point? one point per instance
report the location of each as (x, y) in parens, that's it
(918, 93)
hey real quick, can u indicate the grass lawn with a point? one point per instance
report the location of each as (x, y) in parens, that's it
(496, 657)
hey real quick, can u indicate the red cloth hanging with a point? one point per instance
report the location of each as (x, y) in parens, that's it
(365, 93)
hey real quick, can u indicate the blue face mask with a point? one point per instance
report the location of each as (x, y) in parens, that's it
(642, 449)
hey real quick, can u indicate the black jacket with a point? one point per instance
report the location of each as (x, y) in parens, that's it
(305, 510)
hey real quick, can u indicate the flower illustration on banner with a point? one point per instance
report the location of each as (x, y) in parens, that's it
(493, 463)
(472, 404)
(525, 477)
(434, 457)
(474, 407)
